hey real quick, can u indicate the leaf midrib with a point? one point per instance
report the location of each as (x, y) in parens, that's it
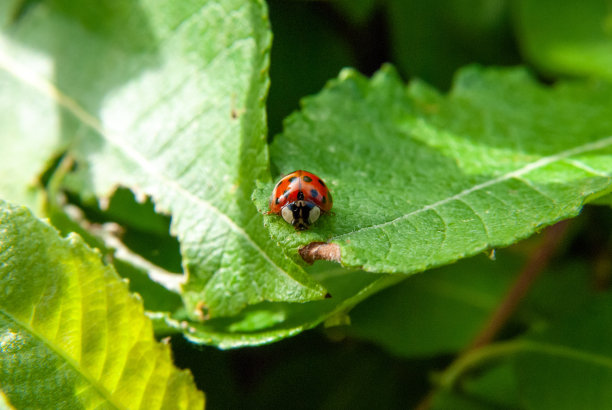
(568, 352)
(47, 88)
(595, 145)
(60, 353)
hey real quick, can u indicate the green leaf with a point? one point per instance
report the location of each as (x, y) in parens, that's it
(269, 322)
(71, 335)
(569, 364)
(420, 179)
(323, 51)
(459, 298)
(495, 389)
(126, 210)
(356, 11)
(605, 200)
(4, 403)
(443, 311)
(564, 365)
(437, 313)
(155, 297)
(431, 40)
(566, 37)
(28, 129)
(556, 293)
(171, 106)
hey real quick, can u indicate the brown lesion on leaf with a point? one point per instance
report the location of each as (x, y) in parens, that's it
(236, 112)
(202, 311)
(320, 250)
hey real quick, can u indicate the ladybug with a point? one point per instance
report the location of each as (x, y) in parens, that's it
(300, 198)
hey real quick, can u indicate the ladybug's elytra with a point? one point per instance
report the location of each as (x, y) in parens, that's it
(300, 198)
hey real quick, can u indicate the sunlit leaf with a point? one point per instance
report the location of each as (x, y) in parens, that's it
(421, 179)
(71, 335)
(170, 105)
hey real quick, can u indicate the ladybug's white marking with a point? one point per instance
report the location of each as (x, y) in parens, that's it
(315, 212)
(287, 214)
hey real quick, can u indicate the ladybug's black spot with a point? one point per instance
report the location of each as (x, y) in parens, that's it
(286, 192)
(321, 182)
(323, 199)
(306, 178)
(314, 193)
(277, 199)
(300, 196)
(292, 179)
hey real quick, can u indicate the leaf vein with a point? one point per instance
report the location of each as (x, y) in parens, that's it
(69, 361)
(50, 90)
(569, 352)
(534, 188)
(444, 230)
(562, 155)
(584, 167)
(482, 222)
(149, 110)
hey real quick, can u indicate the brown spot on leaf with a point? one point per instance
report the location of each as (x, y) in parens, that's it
(320, 250)
(202, 312)
(236, 113)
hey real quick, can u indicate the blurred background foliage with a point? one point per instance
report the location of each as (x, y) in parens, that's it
(313, 40)
(389, 364)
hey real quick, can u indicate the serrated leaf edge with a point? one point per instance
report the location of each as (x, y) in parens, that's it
(67, 359)
(562, 155)
(79, 249)
(50, 90)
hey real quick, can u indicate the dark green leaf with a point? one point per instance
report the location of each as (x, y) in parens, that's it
(567, 37)
(569, 364)
(268, 322)
(420, 179)
(495, 388)
(432, 40)
(358, 11)
(436, 313)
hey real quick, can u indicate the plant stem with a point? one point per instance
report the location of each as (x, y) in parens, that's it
(537, 262)
(476, 352)
(475, 358)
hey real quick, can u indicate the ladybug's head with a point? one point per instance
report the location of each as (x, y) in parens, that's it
(301, 214)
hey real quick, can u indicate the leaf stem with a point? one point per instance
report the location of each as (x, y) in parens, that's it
(477, 351)
(476, 358)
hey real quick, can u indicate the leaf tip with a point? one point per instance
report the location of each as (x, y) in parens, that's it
(347, 73)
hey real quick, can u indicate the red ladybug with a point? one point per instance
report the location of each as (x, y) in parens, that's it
(300, 197)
